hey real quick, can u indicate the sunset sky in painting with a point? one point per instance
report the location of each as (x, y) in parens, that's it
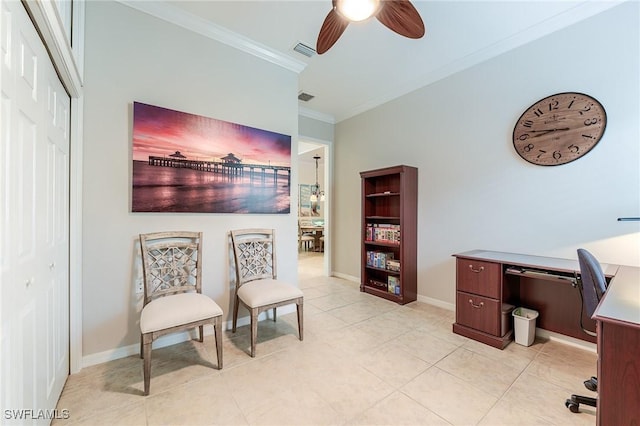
(161, 132)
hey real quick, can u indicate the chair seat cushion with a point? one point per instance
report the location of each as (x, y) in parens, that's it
(265, 292)
(178, 309)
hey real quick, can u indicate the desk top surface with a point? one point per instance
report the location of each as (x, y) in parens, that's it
(538, 262)
(621, 301)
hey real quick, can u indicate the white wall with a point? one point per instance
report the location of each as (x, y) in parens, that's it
(474, 189)
(307, 168)
(315, 129)
(131, 56)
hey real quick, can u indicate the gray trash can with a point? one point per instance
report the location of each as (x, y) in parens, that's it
(524, 325)
(506, 323)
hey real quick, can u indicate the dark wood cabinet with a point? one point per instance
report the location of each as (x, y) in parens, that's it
(389, 233)
(489, 283)
(479, 302)
(618, 326)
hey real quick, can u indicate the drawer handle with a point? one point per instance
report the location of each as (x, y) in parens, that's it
(477, 271)
(478, 306)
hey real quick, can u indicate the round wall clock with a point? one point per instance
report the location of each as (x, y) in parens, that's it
(559, 129)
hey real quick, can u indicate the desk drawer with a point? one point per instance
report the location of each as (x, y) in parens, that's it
(477, 312)
(478, 277)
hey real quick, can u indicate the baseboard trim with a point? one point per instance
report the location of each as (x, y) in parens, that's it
(170, 339)
(436, 302)
(346, 277)
(567, 340)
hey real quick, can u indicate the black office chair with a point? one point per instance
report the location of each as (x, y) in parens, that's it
(592, 285)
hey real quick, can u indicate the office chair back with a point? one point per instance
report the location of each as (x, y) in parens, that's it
(594, 283)
(592, 286)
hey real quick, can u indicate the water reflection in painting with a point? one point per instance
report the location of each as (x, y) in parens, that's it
(188, 163)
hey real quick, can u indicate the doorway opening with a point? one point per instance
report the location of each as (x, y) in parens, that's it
(313, 209)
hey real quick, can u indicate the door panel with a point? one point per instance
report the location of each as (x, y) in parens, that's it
(34, 222)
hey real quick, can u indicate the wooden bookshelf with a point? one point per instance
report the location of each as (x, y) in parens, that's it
(389, 233)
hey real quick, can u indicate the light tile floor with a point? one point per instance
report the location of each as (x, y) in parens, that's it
(363, 361)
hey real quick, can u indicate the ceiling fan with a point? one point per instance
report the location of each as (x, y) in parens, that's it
(398, 15)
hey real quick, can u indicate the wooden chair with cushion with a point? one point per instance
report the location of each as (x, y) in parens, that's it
(173, 299)
(257, 284)
(304, 240)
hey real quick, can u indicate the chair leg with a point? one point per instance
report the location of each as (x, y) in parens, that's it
(573, 403)
(201, 333)
(147, 363)
(300, 320)
(141, 348)
(235, 315)
(217, 329)
(274, 314)
(254, 331)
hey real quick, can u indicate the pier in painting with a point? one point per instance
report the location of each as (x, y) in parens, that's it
(225, 167)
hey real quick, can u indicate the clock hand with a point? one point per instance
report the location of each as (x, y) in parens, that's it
(544, 132)
(549, 130)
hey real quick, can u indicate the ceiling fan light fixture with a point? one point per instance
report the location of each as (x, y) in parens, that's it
(357, 10)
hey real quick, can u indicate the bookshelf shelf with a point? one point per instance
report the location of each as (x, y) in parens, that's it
(383, 217)
(383, 194)
(384, 270)
(381, 244)
(389, 211)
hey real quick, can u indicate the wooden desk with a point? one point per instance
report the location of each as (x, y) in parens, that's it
(486, 279)
(316, 231)
(618, 322)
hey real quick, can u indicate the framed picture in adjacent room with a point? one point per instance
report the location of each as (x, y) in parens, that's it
(304, 203)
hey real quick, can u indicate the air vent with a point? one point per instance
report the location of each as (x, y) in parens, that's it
(305, 50)
(305, 97)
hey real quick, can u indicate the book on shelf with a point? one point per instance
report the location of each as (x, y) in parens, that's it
(393, 285)
(378, 259)
(383, 232)
(376, 283)
(393, 265)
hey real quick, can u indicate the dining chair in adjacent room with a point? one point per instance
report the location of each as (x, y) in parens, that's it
(304, 240)
(257, 285)
(173, 299)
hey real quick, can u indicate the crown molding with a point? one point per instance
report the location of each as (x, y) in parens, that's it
(198, 25)
(309, 113)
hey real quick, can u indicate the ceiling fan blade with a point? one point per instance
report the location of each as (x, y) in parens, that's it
(332, 28)
(402, 17)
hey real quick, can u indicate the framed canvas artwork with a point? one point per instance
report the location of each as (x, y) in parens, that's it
(189, 163)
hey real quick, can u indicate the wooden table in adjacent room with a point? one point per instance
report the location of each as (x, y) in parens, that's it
(316, 231)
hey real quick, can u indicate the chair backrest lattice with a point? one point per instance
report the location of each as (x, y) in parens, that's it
(171, 263)
(254, 254)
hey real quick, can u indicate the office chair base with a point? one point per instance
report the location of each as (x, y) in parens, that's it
(573, 404)
(591, 384)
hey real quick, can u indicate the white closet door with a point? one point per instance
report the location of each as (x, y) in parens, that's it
(34, 224)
